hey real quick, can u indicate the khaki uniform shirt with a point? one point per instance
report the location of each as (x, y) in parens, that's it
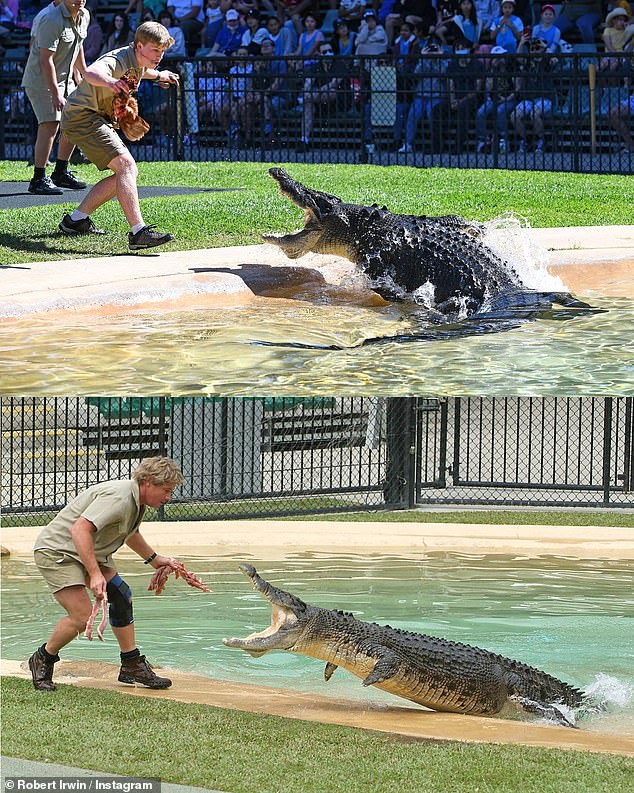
(120, 63)
(113, 507)
(57, 31)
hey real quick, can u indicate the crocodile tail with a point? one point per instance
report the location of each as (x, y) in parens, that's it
(526, 681)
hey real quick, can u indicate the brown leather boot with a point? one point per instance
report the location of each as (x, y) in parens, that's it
(42, 671)
(138, 670)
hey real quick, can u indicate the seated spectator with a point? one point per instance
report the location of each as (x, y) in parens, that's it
(154, 7)
(585, 15)
(618, 36)
(466, 21)
(290, 13)
(405, 48)
(93, 42)
(309, 39)
(446, 10)
(229, 37)
(242, 99)
(428, 98)
(620, 118)
(323, 85)
(214, 20)
(189, 15)
(213, 94)
(507, 29)
(351, 12)
(536, 94)
(118, 34)
(546, 30)
(271, 87)
(466, 85)
(343, 42)
(281, 36)
(500, 99)
(253, 35)
(371, 38)
(177, 50)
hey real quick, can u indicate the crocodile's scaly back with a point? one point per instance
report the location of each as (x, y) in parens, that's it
(434, 672)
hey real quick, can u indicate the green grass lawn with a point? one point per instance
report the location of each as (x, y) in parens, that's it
(243, 752)
(239, 217)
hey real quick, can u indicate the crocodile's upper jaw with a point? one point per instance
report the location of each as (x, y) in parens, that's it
(288, 619)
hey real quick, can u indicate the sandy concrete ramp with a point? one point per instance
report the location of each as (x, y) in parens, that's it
(408, 722)
(585, 258)
(275, 539)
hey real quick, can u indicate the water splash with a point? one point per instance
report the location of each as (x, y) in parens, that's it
(611, 692)
(506, 236)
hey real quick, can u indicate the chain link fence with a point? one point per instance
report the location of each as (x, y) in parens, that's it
(258, 457)
(421, 111)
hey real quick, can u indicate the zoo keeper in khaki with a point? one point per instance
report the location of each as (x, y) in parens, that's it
(74, 555)
(49, 77)
(88, 121)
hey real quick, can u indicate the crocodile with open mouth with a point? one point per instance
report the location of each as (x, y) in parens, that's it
(437, 673)
(439, 262)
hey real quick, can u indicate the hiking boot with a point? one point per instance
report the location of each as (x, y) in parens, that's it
(68, 180)
(44, 186)
(42, 671)
(138, 670)
(76, 227)
(147, 238)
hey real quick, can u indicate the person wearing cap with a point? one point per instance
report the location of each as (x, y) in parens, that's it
(229, 37)
(371, 38)
(585, 15)
(507, 28)
(190, 17)
(254, 34)
(344, 40)
(546, 30)
(500, 99)
(536, 94)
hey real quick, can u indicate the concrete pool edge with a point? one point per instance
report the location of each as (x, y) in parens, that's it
(278, 538)
(579, 256)
(406, 722)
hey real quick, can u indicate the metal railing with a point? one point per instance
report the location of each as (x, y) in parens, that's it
(257, 457)
(377, 110)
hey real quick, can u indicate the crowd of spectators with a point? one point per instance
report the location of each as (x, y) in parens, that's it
(256, 58)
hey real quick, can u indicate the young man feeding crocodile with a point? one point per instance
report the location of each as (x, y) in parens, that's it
(439, 674)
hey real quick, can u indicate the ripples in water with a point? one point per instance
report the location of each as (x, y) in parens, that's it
(214, 351)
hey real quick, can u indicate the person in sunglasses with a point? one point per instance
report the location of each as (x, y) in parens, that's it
(323, 84)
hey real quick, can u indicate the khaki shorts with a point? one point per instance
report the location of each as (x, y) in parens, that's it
(94, 135)
(42, 104)
(59, 570)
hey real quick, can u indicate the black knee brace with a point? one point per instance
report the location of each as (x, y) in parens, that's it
(120, 600)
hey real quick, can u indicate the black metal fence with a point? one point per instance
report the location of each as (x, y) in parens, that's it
(420, 111)
(257, 457)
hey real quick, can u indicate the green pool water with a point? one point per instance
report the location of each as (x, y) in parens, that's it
(572, 618)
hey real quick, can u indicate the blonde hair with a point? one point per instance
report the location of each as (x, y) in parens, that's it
(153, 33)
(158, 471)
